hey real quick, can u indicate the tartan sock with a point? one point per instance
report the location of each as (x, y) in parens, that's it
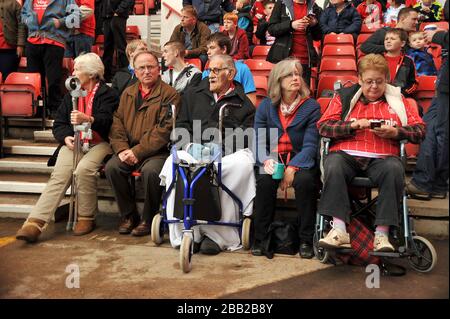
(382, 229)
(339, 224)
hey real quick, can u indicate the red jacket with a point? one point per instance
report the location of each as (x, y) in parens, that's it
(239, 45)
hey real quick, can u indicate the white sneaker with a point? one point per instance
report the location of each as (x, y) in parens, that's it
(381, 243)
(336, 238)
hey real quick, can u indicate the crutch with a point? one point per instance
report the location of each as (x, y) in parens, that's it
(73, 84)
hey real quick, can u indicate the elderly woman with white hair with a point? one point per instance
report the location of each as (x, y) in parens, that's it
(97, 108)
(293, 115)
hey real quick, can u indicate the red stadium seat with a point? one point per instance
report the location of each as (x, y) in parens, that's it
(362, 38)
(21, 95)
(261, 88)
(323, 101)
(1, 78)
(436, 51)
(139, 8)
(425, 91)
(441, 25)
(359, 54)
(259, 67)
(326, 82)
(332, 66)
(196, 62)
(133, 32)
(317, 46)
(412, 150)
(260, 52)
(338, 39)
(339, 51)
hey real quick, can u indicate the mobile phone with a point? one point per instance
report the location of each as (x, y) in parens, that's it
(376, 123)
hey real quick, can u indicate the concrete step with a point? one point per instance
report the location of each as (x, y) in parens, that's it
(44, 136)
(28, 147)
(28, 164)
(28, 122)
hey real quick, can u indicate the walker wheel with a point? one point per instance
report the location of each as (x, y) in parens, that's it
(186, 253)
(321, 254)
(424, 257)
(157, 229)
(245, 233)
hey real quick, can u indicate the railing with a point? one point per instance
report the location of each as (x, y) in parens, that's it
(171, 10)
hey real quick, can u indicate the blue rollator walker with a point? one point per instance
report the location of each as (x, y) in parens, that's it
(190, 175)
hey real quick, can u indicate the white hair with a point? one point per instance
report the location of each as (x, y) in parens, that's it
(90, 63)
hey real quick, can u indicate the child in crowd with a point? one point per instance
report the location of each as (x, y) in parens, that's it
(417, 51)
(179, 74)
(401, 68)
(340, 17)
(261, 31)
(245, 20)
(429, 11)
(390, 16)
(370, 12)
(257, 11)
(239, 41)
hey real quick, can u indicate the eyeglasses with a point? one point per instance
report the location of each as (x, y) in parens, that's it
(146, 67)
(217, 70)
(372, 82)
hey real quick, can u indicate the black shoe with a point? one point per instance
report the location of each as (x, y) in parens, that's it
(209, 247)
(306, 251)
(257, 249)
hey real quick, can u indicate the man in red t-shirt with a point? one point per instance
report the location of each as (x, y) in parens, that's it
(82, 38)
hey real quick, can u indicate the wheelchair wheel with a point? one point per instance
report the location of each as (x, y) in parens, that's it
(245, 233)
(425, 257)
(157, 229)
(186, 253)
(321, 254)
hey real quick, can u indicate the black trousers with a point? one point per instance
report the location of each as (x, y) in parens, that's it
(306, 193)
(118, 174)
(114, 30)
(9, 62)
(47, 60)
(341, 168)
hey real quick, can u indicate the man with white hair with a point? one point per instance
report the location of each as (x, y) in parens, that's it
(201, 104)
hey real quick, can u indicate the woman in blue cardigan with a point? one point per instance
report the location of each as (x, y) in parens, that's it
(286, 133)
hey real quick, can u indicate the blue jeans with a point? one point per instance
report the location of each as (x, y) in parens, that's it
(431, 173)
(77, 44)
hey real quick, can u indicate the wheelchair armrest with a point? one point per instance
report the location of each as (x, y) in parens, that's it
(326, 145)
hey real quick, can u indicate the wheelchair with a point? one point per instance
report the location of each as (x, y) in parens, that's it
(187, 179)
(420, 253)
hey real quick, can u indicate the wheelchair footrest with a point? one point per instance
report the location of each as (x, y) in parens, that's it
(384, 254)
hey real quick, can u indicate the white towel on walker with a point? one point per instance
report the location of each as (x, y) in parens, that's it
(238, 176)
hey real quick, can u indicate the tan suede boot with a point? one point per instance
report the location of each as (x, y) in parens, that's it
(84, 226)
(31, 230)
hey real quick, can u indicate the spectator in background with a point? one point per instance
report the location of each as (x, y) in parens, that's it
(430, 178)
(82, 38)
(262, 33)
(407, 20)
(392, 12)
(245, 20)
(98, 17)
(257, 11)
(295, 23)
(179, 75)
(115, 15)
(192, 33)
(48, 24)
(218, 43)
(240, 48)
(210, 11)
(126, 76)
(96, 108)
(401, 68)
(13, 35)
(418, 53)
(139, 136)
(340, 17)
(370, 12)
(429, 11)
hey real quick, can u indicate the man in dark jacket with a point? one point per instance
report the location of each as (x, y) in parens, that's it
(210, 11)
(340, 17)
(407, 20)
(430, 178)
(292, 32)
(202, 104)
(115, 14)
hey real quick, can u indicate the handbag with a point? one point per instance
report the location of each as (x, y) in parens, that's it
(281, 238)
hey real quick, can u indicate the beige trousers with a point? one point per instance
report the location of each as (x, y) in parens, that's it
(61, 177)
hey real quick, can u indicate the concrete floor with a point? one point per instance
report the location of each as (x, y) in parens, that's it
(116, 266)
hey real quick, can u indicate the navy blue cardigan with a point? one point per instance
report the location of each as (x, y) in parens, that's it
(348, 21)
(302, 131)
